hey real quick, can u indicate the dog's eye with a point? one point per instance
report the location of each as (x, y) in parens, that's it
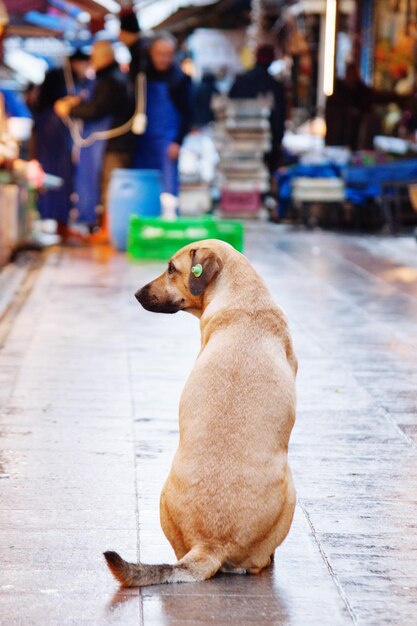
(171, 268)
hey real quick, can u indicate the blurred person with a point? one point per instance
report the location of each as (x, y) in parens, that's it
(32, 96)
(108, 106)
(169, 113)
(186, 63)
(52, 144)
(351, 119)
(131, 36)
(256, 82)
(225, 79)
(203, 94)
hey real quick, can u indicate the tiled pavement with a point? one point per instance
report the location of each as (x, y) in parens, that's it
(89, 384)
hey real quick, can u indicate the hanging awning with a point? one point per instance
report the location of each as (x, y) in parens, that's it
(96, 8)
(20, 7)
(43, 17)
(319, 7)
(156, 12)
(23, 29)
(183, 16)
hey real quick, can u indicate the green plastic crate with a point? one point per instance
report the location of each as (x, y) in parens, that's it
(156, 238)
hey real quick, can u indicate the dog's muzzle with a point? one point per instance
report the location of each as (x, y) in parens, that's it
(152, 303)
(144, 297)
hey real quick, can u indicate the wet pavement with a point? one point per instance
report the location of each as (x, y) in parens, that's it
(89, 385)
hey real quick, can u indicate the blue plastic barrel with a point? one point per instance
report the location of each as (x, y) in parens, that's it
(132, 192)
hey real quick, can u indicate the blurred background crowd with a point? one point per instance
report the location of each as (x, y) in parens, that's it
(248, 107)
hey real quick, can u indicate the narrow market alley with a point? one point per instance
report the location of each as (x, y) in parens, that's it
(89, 388)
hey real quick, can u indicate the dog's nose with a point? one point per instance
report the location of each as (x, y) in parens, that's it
(142, 294)
(138, 294)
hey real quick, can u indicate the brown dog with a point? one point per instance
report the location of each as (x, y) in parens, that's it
(229, 499)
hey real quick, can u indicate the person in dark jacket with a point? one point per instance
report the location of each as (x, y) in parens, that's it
(168, 110)
(109, 106)
(257, 82)
(203, 94)
(351, 119)
(131, 36)
(51, 139)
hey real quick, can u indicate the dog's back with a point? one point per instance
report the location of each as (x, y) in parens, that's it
(236, 415)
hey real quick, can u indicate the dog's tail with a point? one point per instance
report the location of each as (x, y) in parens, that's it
(196, 565)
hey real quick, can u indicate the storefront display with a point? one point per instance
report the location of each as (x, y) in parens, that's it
(395, 32)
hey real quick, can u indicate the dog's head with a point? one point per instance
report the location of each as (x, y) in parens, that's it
(190, 273)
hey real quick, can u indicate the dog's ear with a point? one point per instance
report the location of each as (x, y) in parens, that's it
(205, 266)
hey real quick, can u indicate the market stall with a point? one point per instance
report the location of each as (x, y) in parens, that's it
(374, 188)
(20, 182)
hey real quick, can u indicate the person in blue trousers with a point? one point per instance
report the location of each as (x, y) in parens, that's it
(168, 110)
(52, 140)
(107, 106)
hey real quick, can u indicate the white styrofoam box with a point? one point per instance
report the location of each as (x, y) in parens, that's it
(194, 200)
(20, 127)
(394, 145)
(260, 126)
(299, 144)
(244, 186)
(306, 189)
(198, 158)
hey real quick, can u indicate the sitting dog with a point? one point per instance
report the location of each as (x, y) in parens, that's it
(229, 499)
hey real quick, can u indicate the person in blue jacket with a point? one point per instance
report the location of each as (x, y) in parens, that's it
(168, 110)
